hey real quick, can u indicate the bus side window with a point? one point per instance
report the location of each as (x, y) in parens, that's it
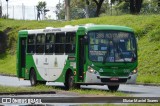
(50, 39)
(31, 44)
(70, 42)
(59, 43)
(40, 41)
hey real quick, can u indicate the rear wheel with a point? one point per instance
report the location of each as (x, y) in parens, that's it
(33, 79)
(41, 82)
(113, 87)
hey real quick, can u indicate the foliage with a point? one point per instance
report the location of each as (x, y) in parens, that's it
(78, 9)
(149, 7)
(60, 11)
(123, 7)
(41, 7)
(8, 64)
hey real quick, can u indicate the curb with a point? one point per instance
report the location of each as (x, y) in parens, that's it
(29, 93)
(8, 75)
(148, 84)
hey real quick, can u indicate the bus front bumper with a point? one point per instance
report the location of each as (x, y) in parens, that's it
(132, 78)
(96, 78)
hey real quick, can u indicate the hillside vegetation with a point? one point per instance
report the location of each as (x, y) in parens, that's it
(147, 29)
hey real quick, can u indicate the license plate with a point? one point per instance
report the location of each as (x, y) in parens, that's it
(114, 79)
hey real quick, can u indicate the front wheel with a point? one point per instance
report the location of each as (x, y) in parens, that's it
(69, 84)
(113, 87)
(33, 79)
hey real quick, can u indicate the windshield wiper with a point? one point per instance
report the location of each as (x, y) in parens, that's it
(105, 57)
(106, 54)
(121, 53)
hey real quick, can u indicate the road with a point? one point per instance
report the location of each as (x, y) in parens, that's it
(133, 90)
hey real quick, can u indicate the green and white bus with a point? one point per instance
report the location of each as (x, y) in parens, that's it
(78, 55)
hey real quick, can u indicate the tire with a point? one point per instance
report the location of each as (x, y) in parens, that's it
(113, 88)
(69, 83)
(41, 82)
(77, 86)
(33, 79)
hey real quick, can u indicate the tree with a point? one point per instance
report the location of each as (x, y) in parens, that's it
(98, 6)
(41, 8)
(135, 6)
(60, 11)
(82, 9)
(89, 4)
(67, 7)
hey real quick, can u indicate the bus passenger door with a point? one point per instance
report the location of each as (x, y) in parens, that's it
(22, 57)
(81, 59)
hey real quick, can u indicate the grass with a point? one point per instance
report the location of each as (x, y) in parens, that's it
(97, 93)
(8, 64)
(149, 61)
(147, 29)
(80, 92)
(8, 89)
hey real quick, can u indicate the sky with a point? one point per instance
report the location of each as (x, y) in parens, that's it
(25, 9)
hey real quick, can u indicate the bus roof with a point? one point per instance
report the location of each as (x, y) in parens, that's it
(109, 27)
(69, 28)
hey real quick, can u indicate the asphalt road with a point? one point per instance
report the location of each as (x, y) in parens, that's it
(133, 90)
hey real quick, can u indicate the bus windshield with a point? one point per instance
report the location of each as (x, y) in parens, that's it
(112, 46)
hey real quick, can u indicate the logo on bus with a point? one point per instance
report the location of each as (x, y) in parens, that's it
(101, 70)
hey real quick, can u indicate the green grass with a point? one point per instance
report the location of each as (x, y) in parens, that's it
(8, 89)
(149, 61)
(44, 88)
(147, 29)
(8, 64)
(96, 93)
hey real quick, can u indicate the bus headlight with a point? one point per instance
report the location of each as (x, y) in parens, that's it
(91, 70)
(135, 71)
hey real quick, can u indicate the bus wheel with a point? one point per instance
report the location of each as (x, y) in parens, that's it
(77, 86)
(113, 87)
(69, 81)
(33, 78)
(41, 82)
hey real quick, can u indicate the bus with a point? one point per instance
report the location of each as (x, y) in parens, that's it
(78, 55)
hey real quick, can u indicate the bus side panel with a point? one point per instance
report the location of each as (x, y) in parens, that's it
(29, 65)
(70, 65)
